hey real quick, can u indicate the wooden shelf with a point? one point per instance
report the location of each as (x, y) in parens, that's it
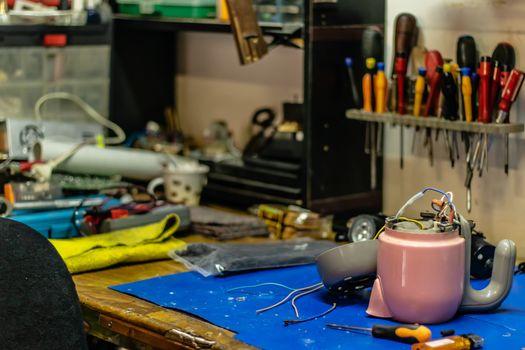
(193, 24)
(435, 123)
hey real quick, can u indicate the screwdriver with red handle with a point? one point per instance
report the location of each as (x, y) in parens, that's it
(485, 77)
(509, 94)
(404, 333)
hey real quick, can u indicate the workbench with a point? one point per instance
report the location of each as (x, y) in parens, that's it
(134, 323)
(137, 324)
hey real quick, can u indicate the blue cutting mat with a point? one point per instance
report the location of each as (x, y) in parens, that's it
(209, 299)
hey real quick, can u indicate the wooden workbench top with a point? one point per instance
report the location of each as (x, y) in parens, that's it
(134, 323)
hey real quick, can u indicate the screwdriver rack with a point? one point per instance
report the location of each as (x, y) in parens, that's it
(435, 123)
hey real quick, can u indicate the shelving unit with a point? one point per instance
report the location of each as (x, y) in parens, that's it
(331, 176)
(435, 123)
(193, 24)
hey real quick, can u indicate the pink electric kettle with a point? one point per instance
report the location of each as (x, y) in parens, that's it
(423, 268)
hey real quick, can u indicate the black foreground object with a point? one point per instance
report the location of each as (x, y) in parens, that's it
(39, 306)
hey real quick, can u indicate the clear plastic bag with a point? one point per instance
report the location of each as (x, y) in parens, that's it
(222, 258)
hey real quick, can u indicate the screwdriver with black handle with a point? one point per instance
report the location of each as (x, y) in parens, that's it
(405, 34)
(404, 333)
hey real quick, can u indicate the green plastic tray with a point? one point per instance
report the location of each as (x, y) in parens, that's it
(185, 11)
(169, 10)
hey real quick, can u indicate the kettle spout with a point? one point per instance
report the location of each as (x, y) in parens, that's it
(494, 294)
(377, 306)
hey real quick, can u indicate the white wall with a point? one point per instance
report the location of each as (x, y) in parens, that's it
(498, 199)
(211, 84)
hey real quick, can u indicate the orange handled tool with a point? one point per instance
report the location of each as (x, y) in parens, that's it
(368, 85)
(404, 333)
(381, 88)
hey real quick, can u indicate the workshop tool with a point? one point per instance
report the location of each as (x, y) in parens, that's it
(404, 333)
(434, 65)
(372, 43)
(505, 54)
(466, 94)
(381, 88)
(405, 35)
(466, 52)
(372, 51)
(450, 108)
(495, 85)
(401, 71)
(419, 91)
(432, 101)
(368, 84)
(466, 90)
(466, 56)
(508, 96)
(381, 99)
(404, 40)
(475, 87)
(485, 76)
(449, 91)
(454, 342)
(417, 261)
(356, 98)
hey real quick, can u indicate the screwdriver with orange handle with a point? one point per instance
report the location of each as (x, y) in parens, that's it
(368, 85)
(404, 333)
(381, 88)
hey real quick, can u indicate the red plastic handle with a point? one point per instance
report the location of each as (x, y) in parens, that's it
(485, 75)
(401, 71)
(511, 90)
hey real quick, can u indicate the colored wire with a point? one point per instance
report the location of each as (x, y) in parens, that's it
(120, 134)
(289, 322)
(301, 295)
(282, 301)
(419, 223)
(379, 232)
(442, 192)
(260, 285)
(402, 218)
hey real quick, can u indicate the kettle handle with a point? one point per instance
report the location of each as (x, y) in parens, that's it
(490, 297)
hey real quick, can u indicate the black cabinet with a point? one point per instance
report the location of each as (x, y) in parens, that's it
(334, 173)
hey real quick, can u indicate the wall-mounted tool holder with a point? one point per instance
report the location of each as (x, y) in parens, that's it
(474, 134)
(435, 123)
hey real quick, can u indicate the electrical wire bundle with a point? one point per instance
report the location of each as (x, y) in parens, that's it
(295, 294)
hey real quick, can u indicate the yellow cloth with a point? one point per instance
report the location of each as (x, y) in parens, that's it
(149, 242)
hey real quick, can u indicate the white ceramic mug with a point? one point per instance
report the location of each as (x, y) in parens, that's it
(182, 184)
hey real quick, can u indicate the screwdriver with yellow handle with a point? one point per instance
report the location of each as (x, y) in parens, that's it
(466, 89)
(419, 90)
(404, 333)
